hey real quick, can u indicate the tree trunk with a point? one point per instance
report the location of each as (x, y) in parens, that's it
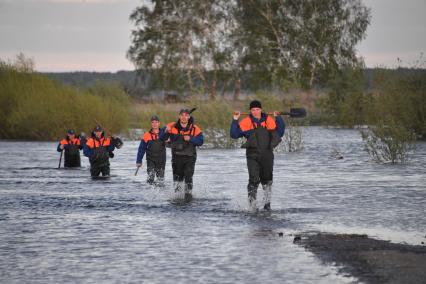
(189, 78)
(213, 90)
(237, 89)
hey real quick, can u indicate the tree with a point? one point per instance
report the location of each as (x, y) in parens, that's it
(277, 41)
(24, 64)
(301, 40)
(182, 39)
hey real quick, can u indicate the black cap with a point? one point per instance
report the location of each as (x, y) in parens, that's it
(184, 110)
(155, 118)
(71, 131)
(254, 104)
(98, 128)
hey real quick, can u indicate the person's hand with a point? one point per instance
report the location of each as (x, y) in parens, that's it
(138, 165)
(62, 146)
(186, 137)
(276, 113)
(237, 115)
(168, 128)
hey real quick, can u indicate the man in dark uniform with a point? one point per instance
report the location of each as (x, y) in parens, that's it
(99, 149)
(184, 136)
(263, 134)
(71, 145)
(155, 149)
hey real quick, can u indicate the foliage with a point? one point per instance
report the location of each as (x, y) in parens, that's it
(388, 141)
(115, 105)
(184, 36)
(402, 97)
(346, 102)
(293, 137)
(34, 107)
(284, 42)
(269, 101)
(301, 40)
(398, 115)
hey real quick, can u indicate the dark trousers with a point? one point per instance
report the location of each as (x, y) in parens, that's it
(183, 169)
(72, 163)
(96, 171)
(260, 167)
(72, 158)
(155, 168)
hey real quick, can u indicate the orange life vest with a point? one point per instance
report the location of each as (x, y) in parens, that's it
(194, 130)
(74, 141)
(247, 124)
(148, 136)
(95, 143)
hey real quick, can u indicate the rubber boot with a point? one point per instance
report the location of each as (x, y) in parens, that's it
(160, 182)
(178, 185)
(252, 192)
(267, 193)
(188, 192)
(150, 176)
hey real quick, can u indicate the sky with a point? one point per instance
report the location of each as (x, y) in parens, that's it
(94, 35)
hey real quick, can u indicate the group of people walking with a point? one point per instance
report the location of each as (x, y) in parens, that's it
(262, 132)
(98, 148)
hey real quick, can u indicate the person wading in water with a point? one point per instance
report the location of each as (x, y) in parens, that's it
(99, 149)
(263, 134)
(71, 145)
(155, 149)
(184, 137)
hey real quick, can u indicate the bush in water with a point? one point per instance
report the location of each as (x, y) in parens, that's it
(293, 138)
(388, 142)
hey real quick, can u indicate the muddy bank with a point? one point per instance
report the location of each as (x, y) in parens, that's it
(369, 260)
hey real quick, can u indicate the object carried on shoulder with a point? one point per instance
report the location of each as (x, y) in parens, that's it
(117, 142)
(294, 113)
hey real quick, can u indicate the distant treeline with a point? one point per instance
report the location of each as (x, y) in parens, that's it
(143, 84)
(139, 84)
(33, 106)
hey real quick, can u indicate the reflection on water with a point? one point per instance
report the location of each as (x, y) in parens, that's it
(61, 226)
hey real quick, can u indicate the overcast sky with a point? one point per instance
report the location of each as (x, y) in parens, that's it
(94, 35)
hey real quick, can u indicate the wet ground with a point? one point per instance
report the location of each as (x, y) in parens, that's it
(58, 225)
(370, 260)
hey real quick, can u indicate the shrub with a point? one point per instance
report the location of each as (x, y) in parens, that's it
(35, 107)
(293, 137)
(388, 142)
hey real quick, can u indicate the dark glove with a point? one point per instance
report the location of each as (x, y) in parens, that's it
(117, 142)
(111, 154)
(83, 140)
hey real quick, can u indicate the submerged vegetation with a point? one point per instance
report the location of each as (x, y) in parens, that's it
(388, 142)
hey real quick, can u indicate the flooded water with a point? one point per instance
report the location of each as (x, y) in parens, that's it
(59, 226)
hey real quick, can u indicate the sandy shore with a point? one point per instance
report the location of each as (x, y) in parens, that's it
(369, 260)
